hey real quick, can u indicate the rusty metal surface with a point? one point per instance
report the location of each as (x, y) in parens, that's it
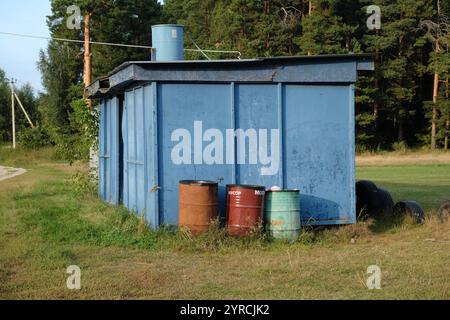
(198, 205)
(245, 206)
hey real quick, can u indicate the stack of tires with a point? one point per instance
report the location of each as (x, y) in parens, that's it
(377, 203)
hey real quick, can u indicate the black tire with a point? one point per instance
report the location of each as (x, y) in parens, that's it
(366, 199)
(410, 208)
(444, 210)
(386, 204)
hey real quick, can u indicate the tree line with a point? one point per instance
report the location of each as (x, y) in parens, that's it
(394, 105)
(404, 102)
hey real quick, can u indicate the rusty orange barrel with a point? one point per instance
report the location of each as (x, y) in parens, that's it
(245, 208)
(198, 205)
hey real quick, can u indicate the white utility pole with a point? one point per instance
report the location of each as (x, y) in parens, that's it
(12, 114)
(24, 111)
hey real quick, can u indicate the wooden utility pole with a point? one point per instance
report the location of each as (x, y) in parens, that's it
(87, 76)
(435, 87)
(447, 122)
(13, 116)
(435, 97)
(310, 10)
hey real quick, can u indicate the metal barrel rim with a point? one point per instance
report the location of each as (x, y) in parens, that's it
(198, 183)
(284, 191)
(246, 186)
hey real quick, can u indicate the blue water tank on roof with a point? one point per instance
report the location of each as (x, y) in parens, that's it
(167, 40)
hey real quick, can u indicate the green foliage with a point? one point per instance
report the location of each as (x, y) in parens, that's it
(61, 65)
(324, 31)
(34, 138)
(439, 63)
(29, 101)
(82, 183)
(400, 147)
(255, 28)
(365, 130)
(5, 108)
(69, 148)
(115, 21)
(60, 68)
(399, 48)
(74, 142)
(85, 120)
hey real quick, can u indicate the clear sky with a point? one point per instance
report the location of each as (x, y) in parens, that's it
(18, 56)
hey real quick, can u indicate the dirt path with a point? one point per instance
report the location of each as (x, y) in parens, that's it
(8, 173)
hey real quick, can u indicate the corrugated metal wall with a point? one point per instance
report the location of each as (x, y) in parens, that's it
(140, 173)
(109, 155)
(317, 149)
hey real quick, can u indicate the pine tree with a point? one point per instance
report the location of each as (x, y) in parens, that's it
(196, 17)
(255, 28)
(61, 68)
(124, 21)
(398, 47)
(323, 30)
(439, 65)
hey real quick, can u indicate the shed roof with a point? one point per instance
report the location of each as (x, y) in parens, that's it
(301, 69)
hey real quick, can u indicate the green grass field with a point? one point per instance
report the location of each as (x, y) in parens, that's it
(47, 224)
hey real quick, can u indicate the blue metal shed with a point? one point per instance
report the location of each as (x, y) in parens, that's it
(309, 101)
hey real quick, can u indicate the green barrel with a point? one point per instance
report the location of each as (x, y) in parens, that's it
(282, 214)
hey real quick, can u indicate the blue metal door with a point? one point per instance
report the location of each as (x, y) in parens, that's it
(109, 175)
(140, 175)
(134, 151)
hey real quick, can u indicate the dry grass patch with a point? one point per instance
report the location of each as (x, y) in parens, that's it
(398, 159)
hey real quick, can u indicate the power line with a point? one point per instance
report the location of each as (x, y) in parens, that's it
(238, 53)
(75, 41)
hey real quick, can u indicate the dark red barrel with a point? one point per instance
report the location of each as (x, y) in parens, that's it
(245, 208)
